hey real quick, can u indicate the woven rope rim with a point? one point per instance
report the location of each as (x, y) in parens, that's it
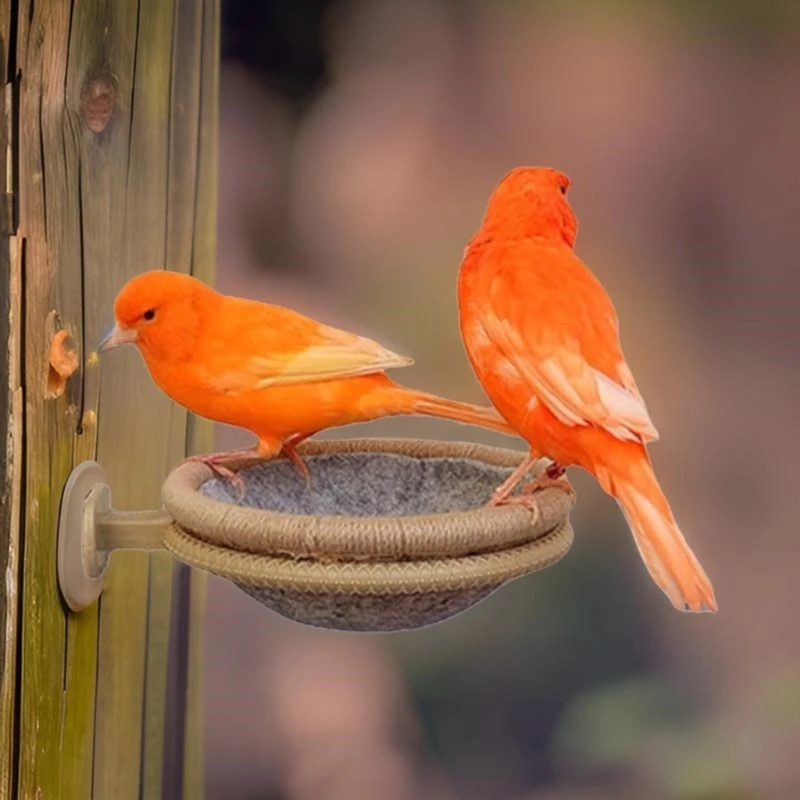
(376, 578)
(455, 535)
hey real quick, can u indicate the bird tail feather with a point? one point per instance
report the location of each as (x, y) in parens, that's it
(665, 552)
(433, 406)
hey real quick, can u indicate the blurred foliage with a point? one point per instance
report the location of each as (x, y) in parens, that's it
(779, 698)
(645, 724)
(748, 19)
(608, 724)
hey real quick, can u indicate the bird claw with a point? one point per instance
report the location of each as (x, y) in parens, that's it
(237, 483)
(551, 478)
(527, 501)
(215, 464)
(546, 481)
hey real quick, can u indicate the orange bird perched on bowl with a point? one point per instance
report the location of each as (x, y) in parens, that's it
(543, 338)
(270, 370)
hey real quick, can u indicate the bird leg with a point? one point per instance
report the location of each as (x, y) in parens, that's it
(263, 451)
(216, 463)
(551, 478)
(289, 449)
(502, 493)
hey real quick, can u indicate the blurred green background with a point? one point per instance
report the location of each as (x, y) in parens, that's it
(359, 143)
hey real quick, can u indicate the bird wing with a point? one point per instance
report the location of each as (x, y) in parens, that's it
(560, 334)
(263, 346)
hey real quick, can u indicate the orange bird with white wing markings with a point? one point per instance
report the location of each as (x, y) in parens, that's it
(543, 338)
(265, 368)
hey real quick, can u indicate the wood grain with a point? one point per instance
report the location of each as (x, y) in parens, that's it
(115, 118)
(200, 434)
(10, 413)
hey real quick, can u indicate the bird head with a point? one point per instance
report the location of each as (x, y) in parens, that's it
(160, 313)
(532, 201)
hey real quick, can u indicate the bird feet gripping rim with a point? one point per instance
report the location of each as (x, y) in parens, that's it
(216, 462)
(551, 478)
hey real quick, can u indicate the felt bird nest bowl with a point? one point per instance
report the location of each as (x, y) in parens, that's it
(390, 534)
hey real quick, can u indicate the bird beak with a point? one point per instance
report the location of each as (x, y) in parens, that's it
(116, 337)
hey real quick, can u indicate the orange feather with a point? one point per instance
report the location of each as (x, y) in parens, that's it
(542, 336)
(270, 370)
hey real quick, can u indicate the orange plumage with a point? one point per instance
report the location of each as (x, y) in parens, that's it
(542, 336)
(265, 368)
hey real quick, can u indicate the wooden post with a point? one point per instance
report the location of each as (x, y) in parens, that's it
(109, 168)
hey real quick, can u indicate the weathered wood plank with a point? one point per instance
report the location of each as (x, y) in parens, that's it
(80, 663)
(10, 412)
(100, 87)
(7, 177)
(182, 153)
(117, 104)
(191, 242)
(194, 738)
(201, 434)
(49, 425)
(11, 409)
(98, 59)
(204, 255)
(156, 57)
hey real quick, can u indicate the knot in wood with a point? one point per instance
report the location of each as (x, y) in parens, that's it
(98, 98)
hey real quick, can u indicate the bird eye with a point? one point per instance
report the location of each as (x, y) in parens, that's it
(563, 189)
(149, 314)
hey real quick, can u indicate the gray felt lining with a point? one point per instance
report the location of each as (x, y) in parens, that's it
(364, 485)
